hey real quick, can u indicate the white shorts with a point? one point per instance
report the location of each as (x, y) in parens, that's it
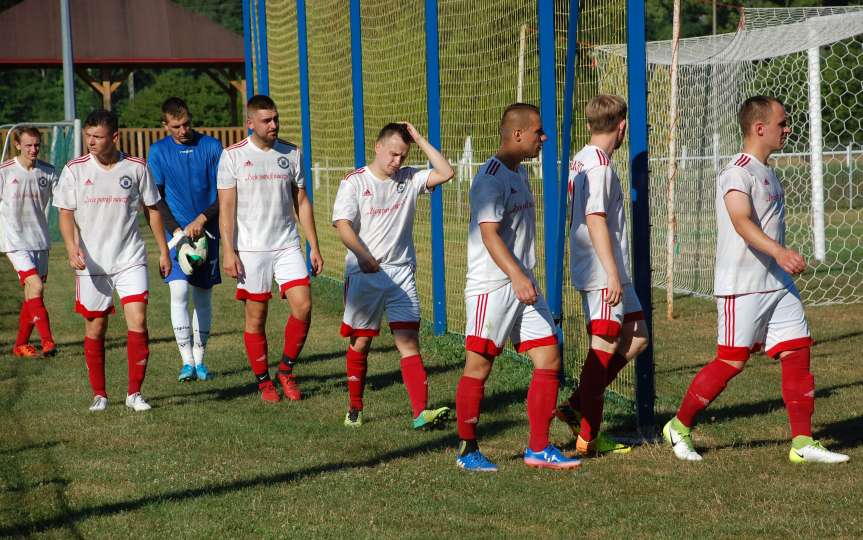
(28, 263)
(94, 295)
(493, 317)
(287, 266)
(605, 320)
(367, 295)
(772, 320)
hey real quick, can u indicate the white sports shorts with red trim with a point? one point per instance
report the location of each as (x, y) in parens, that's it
(286, 266)
(94, 295)
(28, 263)
(605, 320)
(392, 288)
(774, 320)
(493, 317)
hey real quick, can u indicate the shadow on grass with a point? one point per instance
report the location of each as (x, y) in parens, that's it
(840, 337)
(847, 433)
(40, 446)
(70, 519)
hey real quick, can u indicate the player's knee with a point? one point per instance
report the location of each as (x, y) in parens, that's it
(361, 344)
(33, 287)
(301, 308)
(637, 347)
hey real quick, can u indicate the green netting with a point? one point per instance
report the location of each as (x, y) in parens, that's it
(488, 59)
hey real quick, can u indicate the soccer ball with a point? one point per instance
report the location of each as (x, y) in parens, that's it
(192, 254)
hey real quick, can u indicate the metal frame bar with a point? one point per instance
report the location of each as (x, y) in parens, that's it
(636, 56)
(357, 83)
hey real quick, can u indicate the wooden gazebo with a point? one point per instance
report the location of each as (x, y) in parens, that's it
(112, 38)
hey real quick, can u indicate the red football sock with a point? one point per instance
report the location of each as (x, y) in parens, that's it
(256, 353)
(295, 337)
(39, 315)
(94, 355)
(798, 391)
(416, 382)
(357, 365)
(468, 397)
(615, 365)
(705, 387)
(591, 392)
(541, 401)
(137, 354)
(25, 326)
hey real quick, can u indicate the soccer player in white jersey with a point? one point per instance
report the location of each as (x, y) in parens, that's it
(98, 196)
(757, 303)
(374, 216)
(502, 298)
(599, 269)
(26, 184)
(261, 189)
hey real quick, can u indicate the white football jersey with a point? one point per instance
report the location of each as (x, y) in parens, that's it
(106, 203)
(24, 199)
(381, 212)
(265, 201)
(594, 188)
(741, 269)
(499, 195)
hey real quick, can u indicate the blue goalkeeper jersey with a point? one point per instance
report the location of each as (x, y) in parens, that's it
(187, 172)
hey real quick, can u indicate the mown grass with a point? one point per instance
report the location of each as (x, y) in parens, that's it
(211, 460)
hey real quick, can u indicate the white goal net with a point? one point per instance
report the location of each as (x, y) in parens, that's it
(811, 59)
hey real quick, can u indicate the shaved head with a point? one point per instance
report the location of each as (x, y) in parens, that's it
(517, 116)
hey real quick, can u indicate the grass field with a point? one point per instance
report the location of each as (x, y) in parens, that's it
(212, 460)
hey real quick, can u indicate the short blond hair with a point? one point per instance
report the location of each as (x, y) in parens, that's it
(604, 112)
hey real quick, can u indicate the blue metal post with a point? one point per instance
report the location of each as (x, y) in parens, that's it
(434, 134)
(263, 59)
(247, 47)
(548, 112)
(357, 80)
(566, 132)
(305, 116)
(636, 55)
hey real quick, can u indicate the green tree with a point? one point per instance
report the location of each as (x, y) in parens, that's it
(208, 103)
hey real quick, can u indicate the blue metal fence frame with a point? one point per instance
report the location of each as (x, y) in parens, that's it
(262, 56)
(357, 84)
(434, 135)
(305, 115)
(247, 46)
(636, 56)
(548, 113)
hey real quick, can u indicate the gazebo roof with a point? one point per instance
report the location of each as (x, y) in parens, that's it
(117, 33)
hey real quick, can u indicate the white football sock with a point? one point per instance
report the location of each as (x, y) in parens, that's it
(202, 317)
(180, 319)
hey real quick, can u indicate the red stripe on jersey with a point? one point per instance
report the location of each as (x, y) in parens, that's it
(358, 171)
(134, 159)
(76, 161)
(7, 163)
(742, 161)
(238, 145)
(603, 159)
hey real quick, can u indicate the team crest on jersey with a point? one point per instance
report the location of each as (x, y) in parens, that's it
(283, 162)
(43, 182)
(125, 182)
(401, 187)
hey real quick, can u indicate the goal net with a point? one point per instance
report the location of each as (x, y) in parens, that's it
(812, 60)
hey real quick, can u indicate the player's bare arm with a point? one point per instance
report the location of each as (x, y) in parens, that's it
(739, 207)
(306, 215)
(154, 219)
(600, 237)
(523, 286)
(69, 232)
(368, 264)
(441, 169)
(227, 220)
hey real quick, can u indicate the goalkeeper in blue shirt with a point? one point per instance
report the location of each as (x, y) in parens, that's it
(183, 166)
